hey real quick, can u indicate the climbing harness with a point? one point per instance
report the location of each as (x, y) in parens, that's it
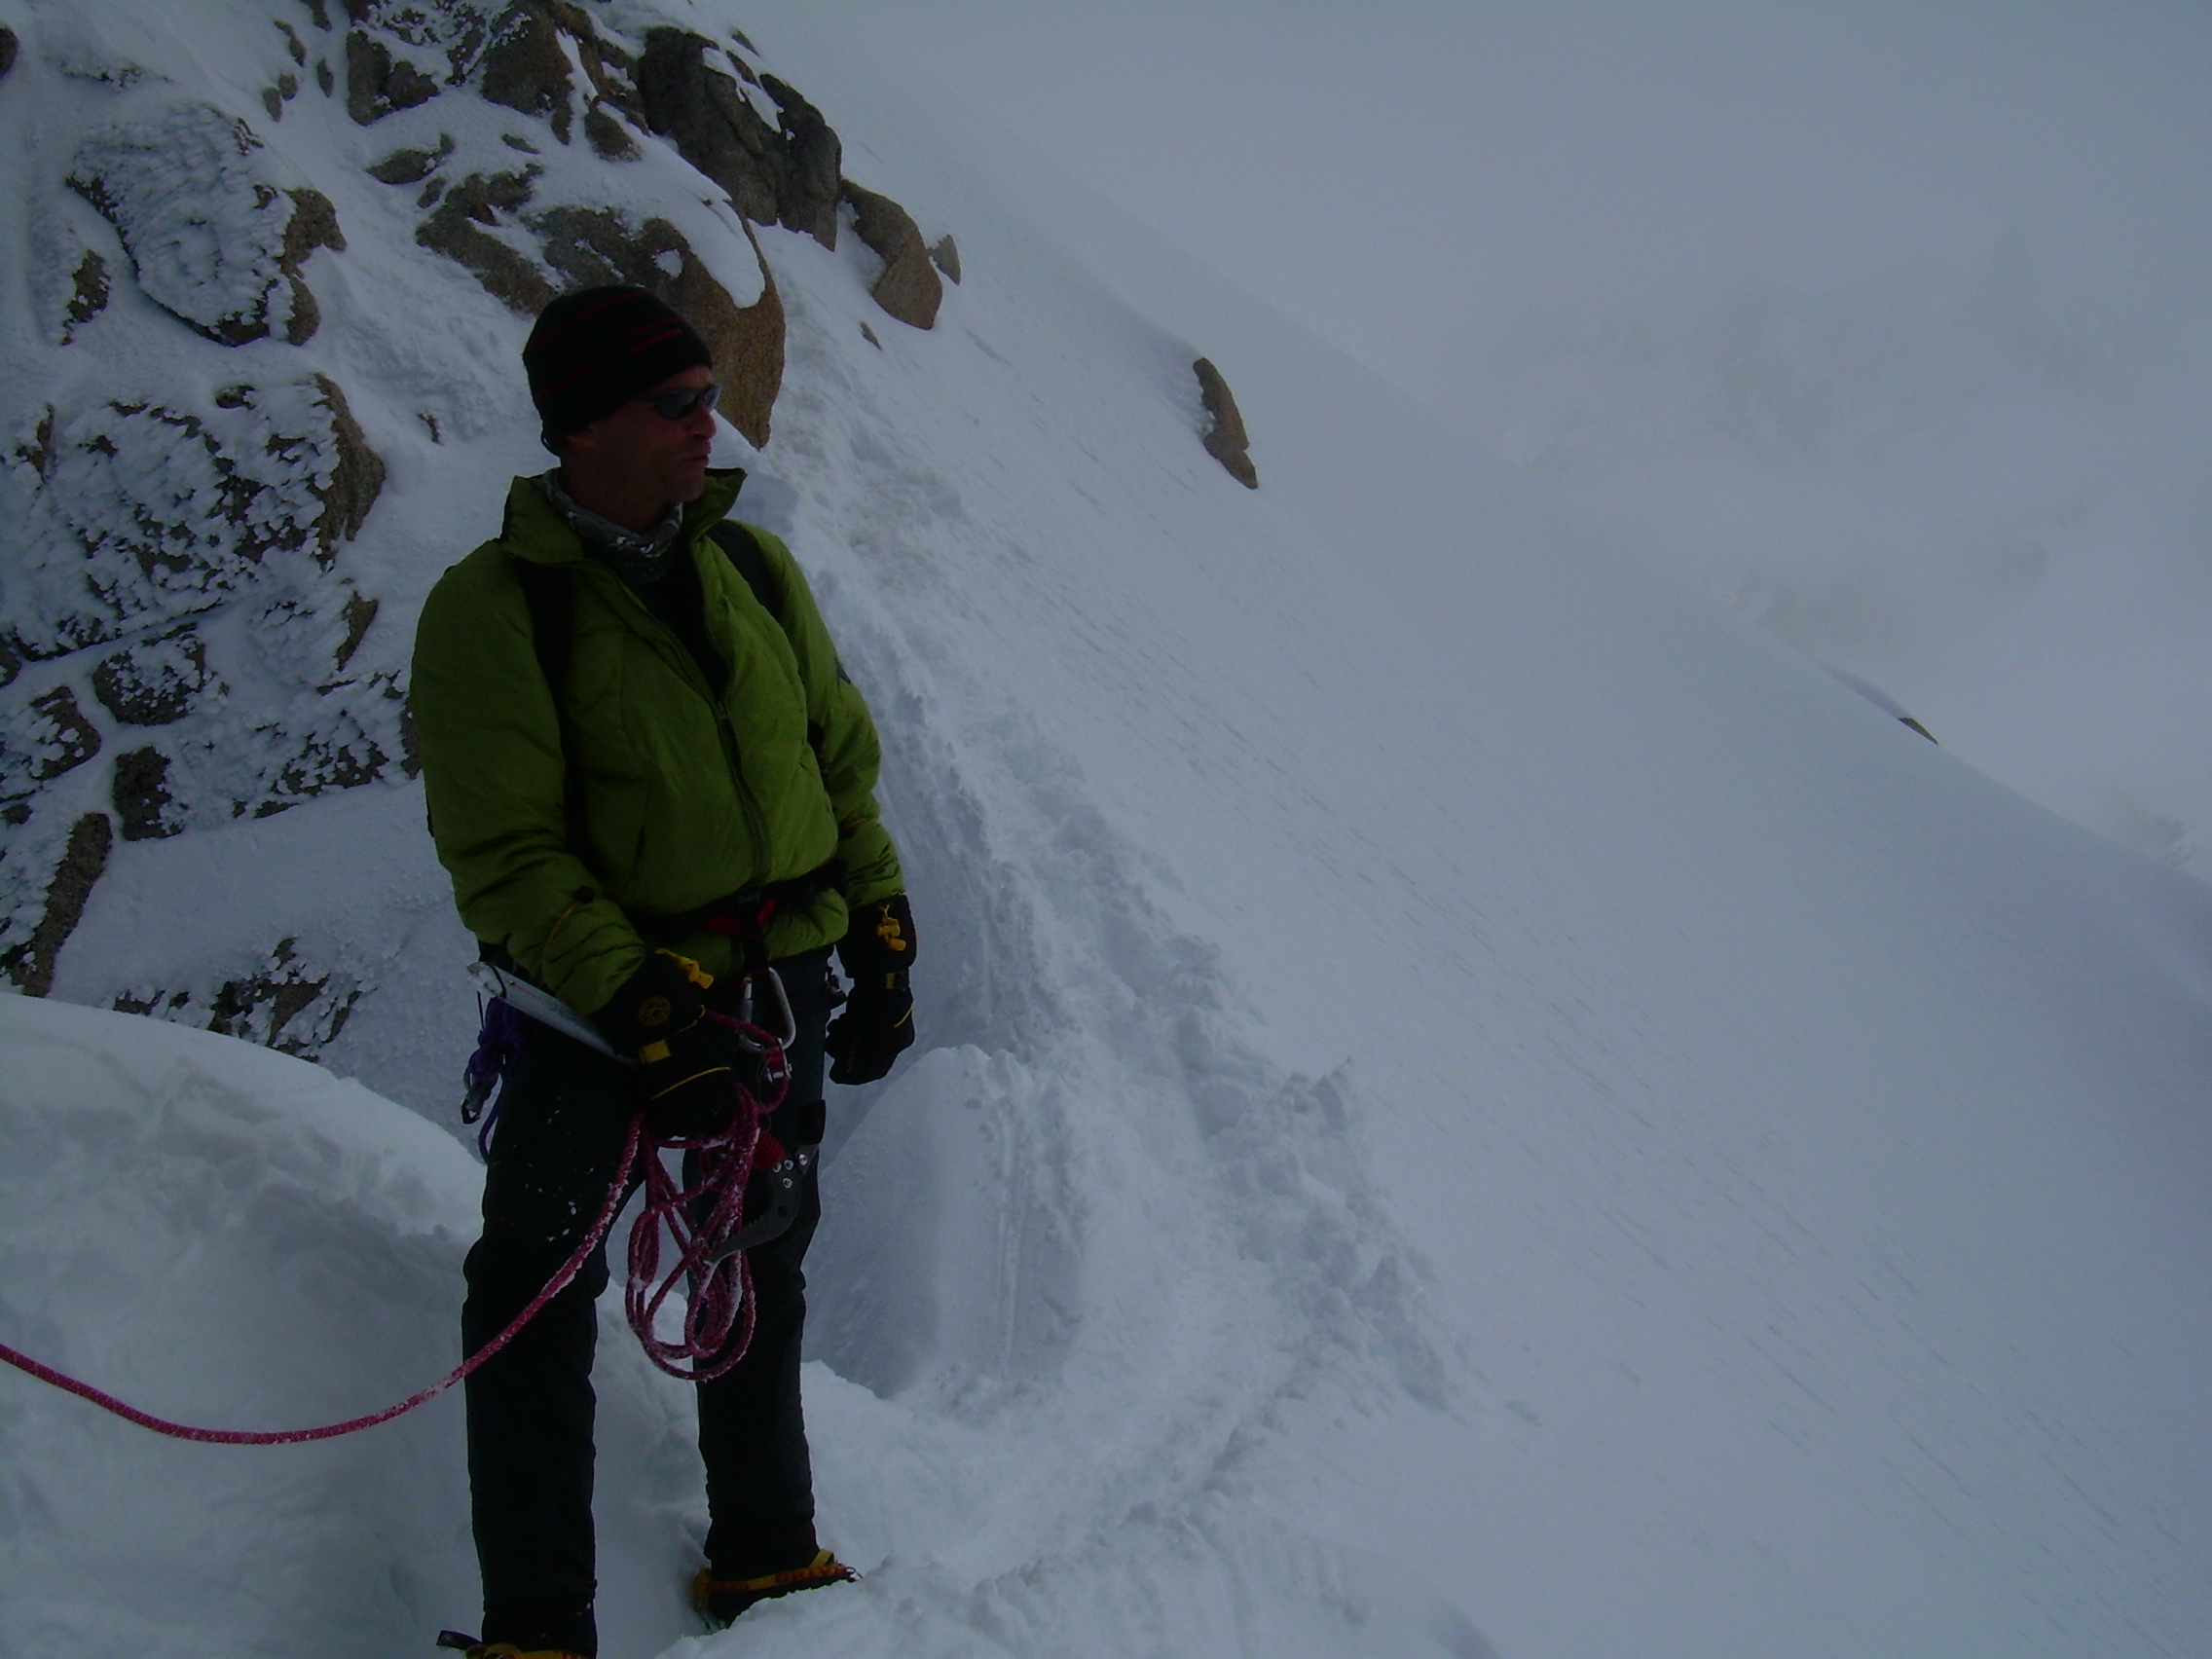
(703, 1213)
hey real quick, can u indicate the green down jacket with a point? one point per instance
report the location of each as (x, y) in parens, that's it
(687, 797)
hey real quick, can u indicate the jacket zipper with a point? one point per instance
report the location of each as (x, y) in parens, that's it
(755, 820)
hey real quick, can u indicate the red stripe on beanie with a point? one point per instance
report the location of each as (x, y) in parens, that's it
(538, 338)
(631, 345)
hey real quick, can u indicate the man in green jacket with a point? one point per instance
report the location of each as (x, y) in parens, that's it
(650, 778)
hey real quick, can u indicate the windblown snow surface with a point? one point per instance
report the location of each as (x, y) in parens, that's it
(1470, 1103)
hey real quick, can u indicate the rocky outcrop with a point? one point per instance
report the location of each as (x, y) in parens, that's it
(30, 961)
(460, 228)
(359, 611)
(6, 51)
(587, 246)
(526, 69)
(609, 139)
(944, 254)
(89, 289)
(377, 83)
(89, 293)
(529, 66)
(211, 240)
(411, 167)
(442, 39)
(313, 224)
(784, 174)
(281, 91)
(484, 222)
(142, 798)
(355, 478)
(182, 642)
(1225, 437)
(909, 287)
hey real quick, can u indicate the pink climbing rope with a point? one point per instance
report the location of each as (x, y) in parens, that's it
(721, 1284)
(720, 1280)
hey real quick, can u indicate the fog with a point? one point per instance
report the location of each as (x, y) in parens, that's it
(1888, 325)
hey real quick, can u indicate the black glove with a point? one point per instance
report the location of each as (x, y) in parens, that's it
(687, 1065)
(878, 1021)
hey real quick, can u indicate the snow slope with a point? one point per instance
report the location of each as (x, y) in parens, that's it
(1472, 1102)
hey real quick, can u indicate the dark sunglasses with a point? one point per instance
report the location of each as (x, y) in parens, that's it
(674, 405)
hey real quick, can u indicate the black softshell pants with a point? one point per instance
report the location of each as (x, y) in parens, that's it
(563, 1116)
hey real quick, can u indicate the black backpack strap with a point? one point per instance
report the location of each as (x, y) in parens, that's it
(750, 561)
(550, 592)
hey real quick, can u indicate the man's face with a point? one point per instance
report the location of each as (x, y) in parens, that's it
(642, 451)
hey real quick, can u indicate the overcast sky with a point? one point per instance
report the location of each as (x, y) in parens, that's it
(1413, 176)
(1887, 321)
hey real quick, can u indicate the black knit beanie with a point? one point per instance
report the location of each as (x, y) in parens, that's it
(593, 351)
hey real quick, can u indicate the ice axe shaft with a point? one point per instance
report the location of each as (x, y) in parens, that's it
(527, 1000)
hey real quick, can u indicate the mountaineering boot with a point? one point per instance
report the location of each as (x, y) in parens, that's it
(471, 1648)
(722, 1600)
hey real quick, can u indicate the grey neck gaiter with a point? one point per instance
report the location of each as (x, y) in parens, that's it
(640, 557)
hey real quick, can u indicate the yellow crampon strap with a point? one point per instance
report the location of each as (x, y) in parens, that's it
(823, 1568)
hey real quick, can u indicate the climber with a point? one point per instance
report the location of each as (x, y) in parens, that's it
(651, 781)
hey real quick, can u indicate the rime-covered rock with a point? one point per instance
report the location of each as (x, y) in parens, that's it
(130, 515)
(210, 238)
(155, 681)
(42, 738)
(239, 763)
(290, 1002)
(69, 283)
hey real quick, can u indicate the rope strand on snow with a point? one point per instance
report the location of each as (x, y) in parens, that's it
(721, 1284)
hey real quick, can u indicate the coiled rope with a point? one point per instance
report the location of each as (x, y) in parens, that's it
(720, 1280)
